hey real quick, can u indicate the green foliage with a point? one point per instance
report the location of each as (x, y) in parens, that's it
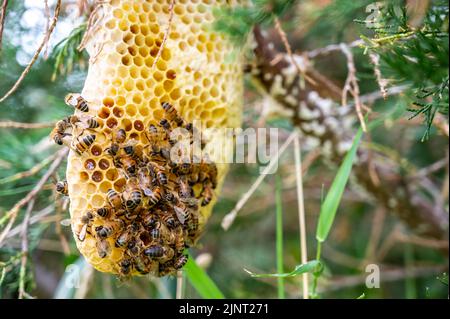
(333, 198)
(66, 53)
(279, 235)
(237, 22)
(314, 266)
(415, 55)
(200, 280)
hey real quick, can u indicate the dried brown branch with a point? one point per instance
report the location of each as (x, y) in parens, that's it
(382, 82)
(93, 22)
(2, 20)
(289, 52)
(331, 48)
(37, 53)
(166, 33)
(12, 124)
(32, 171)
(13, 212)
(351, 86)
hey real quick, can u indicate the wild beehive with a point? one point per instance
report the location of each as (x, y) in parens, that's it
(144, 54)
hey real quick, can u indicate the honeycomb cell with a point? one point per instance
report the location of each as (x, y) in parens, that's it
(111, 122)
(97, 176)
(112, 174)
(138, 125)
(96, 150)
(90, 164)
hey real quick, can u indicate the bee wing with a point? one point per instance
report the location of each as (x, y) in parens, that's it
(180, 214)
(82, 234)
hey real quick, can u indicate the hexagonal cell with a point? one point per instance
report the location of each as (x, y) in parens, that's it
(97, 176)
(96, 150)
(90, 164)
(103, 164)
(112, 174)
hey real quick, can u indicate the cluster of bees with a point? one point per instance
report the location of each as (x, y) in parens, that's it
(155, 217)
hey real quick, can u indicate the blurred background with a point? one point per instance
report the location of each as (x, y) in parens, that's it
(363, 232)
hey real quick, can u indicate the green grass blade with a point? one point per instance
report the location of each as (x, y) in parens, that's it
(332, 200)
(279, 237)
(200, 280)
(313, 266)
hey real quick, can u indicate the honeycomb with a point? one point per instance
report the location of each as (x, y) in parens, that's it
(135, 68)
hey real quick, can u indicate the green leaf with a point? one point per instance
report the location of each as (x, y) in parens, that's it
(200, 280)
(443, 278)
(332, 200)
(313, 266)
(279, 235)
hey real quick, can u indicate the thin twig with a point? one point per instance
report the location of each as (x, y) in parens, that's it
(180, 284)
(166, 33)
(11, 124)
(91, 27)
(36, 218)
(331, 48)
(13, 212)
(37, 53)
(32, 171)
(2, 20)
(229, 218)
(47, 24)
(351, 85)
(23, 265)
(382, 82)
(301, 213)
(289, 52)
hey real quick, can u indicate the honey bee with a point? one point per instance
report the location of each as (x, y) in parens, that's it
(170, 197)
(156, 195)
(165, 124)
(113, 149)
(180, 262)
(81, 146)
(207, 194)
(63, 188)
(183, 214)
(125, 237)
(185, 190)
(92, 123)
(162, 177)
(155, 234)
(150, 221)
(133, 151)
(126, 266)
(145, 180)
(172, 114)
(114, 199)
(121, 136)
(104, 212)
(103, 247)
(179, 244)
(86, 221)
(59, 131)
(127, 163)
(109, 228)
(168, 220)
(165, 269)
(140, 265)
(133, 247)
(159, 252)
(77, 101)
(134, 199)
(192, 226)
